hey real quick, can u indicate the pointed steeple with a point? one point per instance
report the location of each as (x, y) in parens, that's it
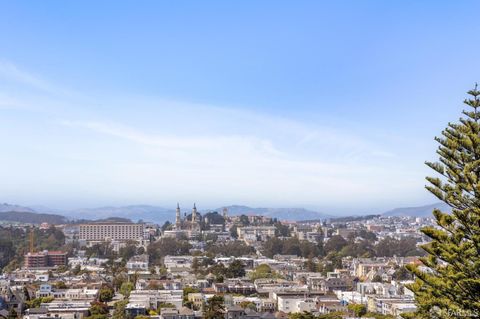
(194, 213)
(177, 216)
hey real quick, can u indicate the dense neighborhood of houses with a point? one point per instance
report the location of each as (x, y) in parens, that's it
(216, 266)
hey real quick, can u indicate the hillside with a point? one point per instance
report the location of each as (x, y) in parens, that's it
(420, 211)
(30, 217)
(132, 212)
(280, 213)
(14, 208)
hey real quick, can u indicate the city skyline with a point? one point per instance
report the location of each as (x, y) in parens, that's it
(334, 111)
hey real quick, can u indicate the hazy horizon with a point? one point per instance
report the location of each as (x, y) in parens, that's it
(326, 106)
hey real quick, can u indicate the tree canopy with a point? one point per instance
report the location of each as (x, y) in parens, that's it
(448, 283)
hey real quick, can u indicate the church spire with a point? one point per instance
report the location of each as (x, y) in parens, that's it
(177, 216)
(194, 213)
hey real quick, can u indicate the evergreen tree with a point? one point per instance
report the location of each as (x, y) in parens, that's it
(447, 285)
(214, 308)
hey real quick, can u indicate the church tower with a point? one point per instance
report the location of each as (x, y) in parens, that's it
(225, 213)
(178, 220)
(194, 214)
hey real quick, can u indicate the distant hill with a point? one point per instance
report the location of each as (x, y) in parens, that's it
(157, 214)
(279, 213)
(105, 220)
(132, 212)
(160, 214)
(34, 218)
(352, 218)
(420, 211)
(14, 208)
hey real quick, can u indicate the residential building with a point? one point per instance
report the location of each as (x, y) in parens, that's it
(45, 259)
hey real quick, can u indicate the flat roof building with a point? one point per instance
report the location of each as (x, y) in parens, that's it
(45, 259)
(111, 231)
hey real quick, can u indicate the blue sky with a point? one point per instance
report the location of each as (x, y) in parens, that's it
(326, 105)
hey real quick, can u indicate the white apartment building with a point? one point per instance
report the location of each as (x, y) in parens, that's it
(293, 304)
(153, 298)
(111, 231)
(255, 233)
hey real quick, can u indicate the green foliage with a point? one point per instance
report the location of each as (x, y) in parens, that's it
(98, 310)
(281, 230)
(263, 271)
(335, 244)
(378, 316)
(232, 248)
(119, 309)
(402, 274)
(233, 231)
(332, 315)
(36, 302)
(292, 246)
(105, 294)
(100, 250)
(195, 264)
(167, 246)
(214, 308)
(301, 315)
(452, 288)
(60, 285)
(167, 226)
(128, 251)
(389, 247)
(14, 244)
(248, 304)
(368, 235)
(358, 309)
(235, 269)
(311, 266)
(365, 247)
(126, 288)
(7, 251)
(214, 218)
(243, 220)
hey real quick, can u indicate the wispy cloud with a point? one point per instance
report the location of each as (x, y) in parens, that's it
(11, 72)
(209, 143)
(134, 147)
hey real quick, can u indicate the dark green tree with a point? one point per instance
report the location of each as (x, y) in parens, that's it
(214, 308)
(301, 315)
(98, 310)
(233, 231)
(105, 294)
(119, 309)
(335, 244)
(402, 274)
(235, 269)
(358, 309)
(451, 287)
(126, 288)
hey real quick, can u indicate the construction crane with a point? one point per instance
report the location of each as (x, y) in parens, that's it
(31, 240)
